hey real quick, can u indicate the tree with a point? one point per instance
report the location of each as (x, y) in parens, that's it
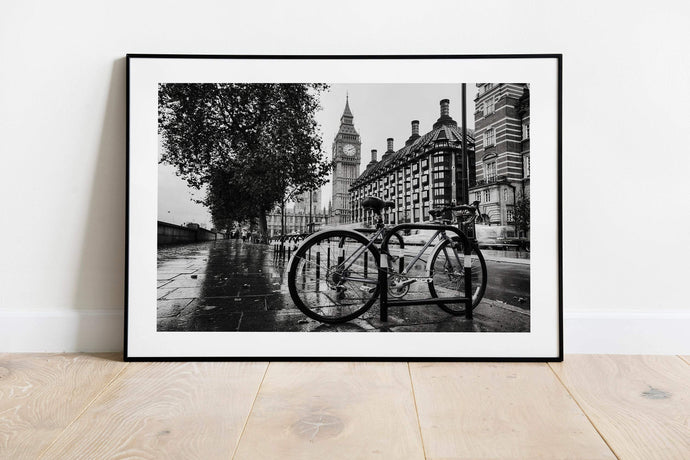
(521, 214)
(251, 145)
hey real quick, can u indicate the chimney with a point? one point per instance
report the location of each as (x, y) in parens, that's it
(373, 156)
(390, 145)
(445, 107)
(445, 119)
(415, 133)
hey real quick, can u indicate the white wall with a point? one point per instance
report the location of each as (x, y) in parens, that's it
(626, 107)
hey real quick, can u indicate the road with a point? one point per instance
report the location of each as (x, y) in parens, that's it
(509, 283)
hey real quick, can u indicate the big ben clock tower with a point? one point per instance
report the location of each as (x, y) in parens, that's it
(346, 159)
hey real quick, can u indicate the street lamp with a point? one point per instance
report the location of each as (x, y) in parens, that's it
(465, 163)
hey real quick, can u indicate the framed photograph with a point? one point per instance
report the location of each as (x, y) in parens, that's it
(344, 208)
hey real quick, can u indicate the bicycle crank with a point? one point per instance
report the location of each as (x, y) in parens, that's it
(399, 286)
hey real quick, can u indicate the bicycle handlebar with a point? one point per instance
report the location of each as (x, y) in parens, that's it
(473, 208)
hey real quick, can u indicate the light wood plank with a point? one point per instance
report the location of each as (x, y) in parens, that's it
(333, 410)
(686, 359)
(41, 394)
(500, 411)
(640, 404)
(166, 410)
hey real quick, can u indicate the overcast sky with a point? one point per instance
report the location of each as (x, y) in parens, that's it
(380, 111)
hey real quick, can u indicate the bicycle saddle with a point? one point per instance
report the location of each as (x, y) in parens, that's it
(376, 204)
(437, 212)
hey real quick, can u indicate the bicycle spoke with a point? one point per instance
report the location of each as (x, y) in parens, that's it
(448, 276)
(341, 284)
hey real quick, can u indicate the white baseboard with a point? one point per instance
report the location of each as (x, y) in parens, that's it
(664, 332)
(59, 331)
(589, 332)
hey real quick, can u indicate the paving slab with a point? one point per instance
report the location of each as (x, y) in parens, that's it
(229, 285)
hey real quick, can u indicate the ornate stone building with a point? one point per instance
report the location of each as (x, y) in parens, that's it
(304, 202)
(426, 172)
(296, 221)
(346, 154)
(502, 151)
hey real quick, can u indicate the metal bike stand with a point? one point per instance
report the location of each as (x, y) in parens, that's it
(383, 272)
(398, 237)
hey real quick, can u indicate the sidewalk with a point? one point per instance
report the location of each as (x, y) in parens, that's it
(228, 285)
(509, 260)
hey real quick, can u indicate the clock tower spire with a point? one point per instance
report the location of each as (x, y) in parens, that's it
(346, 158)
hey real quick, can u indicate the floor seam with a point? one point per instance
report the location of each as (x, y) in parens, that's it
(416, 410)
(249, 414)
(86, 407)
(584, 412)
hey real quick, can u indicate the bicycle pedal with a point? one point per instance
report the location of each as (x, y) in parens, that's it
(367, 289)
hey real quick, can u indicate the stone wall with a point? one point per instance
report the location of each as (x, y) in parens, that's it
(176, 234)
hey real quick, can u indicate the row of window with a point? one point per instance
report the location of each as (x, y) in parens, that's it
(490, 134)
(490, 169)
(487, 196)
(437, 175)
(389, 217)
(413, 170)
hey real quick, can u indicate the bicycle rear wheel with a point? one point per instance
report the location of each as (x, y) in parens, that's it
(333, 276)
(447, 271)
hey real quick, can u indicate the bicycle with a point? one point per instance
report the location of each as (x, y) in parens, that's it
(336, 275)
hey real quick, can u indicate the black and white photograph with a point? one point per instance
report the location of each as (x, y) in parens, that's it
(331, 208)
(273, 200)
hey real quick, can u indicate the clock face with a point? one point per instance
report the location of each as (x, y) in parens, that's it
(349, 150)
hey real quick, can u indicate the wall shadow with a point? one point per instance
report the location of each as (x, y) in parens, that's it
(100, 284)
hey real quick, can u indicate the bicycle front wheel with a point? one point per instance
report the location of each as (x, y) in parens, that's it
(333, 276)
(447, 273)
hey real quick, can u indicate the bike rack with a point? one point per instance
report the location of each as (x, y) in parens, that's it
(383, 271)
(401, 243)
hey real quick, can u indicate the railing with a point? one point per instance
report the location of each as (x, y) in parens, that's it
(284, 245)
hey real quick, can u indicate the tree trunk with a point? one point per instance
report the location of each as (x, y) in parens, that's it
(282, 218)
(263, 226)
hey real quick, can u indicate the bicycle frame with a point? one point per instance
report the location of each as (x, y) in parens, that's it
(403, 270)
(383, 273)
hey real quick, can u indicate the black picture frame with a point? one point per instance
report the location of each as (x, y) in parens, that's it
(133, 326)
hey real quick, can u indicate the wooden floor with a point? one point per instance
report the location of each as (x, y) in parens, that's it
(588, 407)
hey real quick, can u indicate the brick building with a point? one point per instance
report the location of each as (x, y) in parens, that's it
(502, 123)
(424, 173)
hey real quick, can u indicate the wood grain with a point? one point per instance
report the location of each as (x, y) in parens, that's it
(500, 411)
(165, 410)
(686, 359)
(331, 411)
(41, 394)
(640, 404)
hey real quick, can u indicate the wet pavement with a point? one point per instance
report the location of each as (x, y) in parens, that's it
(230, 285)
